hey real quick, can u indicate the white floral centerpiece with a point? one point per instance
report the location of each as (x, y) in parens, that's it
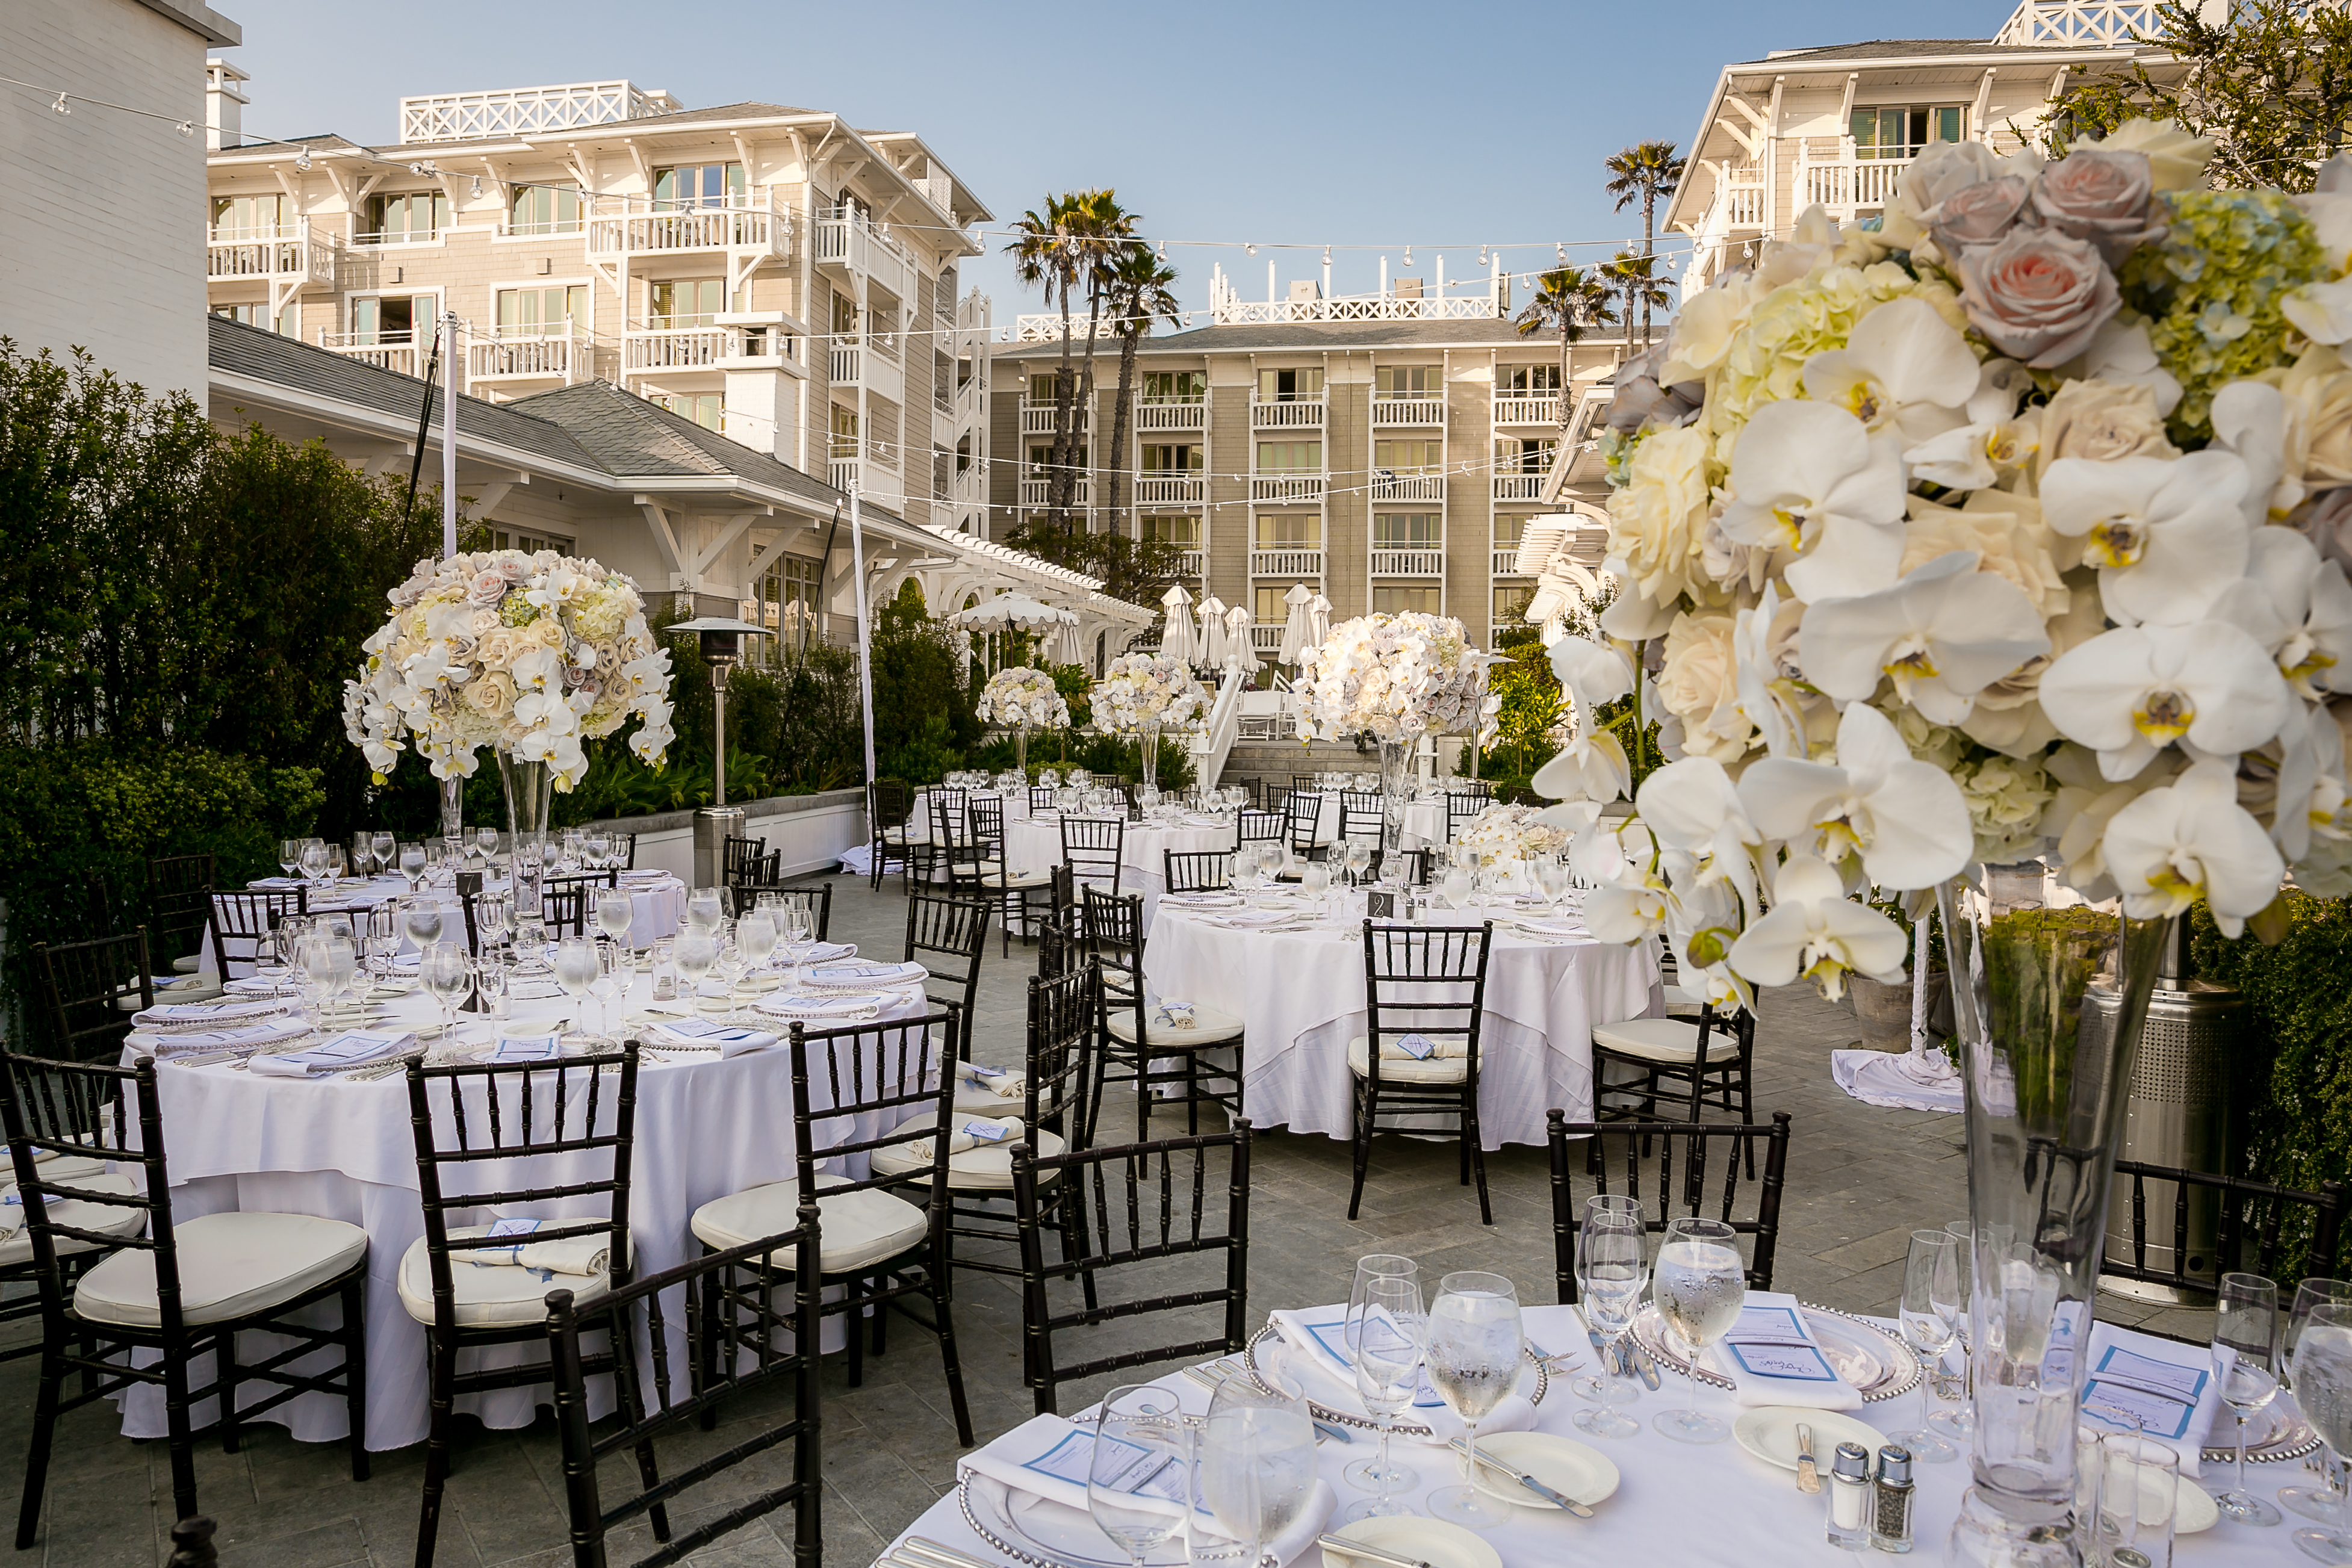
(528, 653)
(1022, 698)
(1393, 677)
(1147, 690)
(1502, 833)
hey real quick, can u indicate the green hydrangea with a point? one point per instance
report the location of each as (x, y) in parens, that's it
(2212, 289)
(516, 609)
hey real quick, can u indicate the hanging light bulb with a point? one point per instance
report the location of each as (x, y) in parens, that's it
(1408, 255)
(1251, 248)
(478, 185)
(186, 128)
(1481, 256)
(62, 106)
(1561, 252)
(417, 169)
(1163, 250)
(1326, 256)
(302, 160)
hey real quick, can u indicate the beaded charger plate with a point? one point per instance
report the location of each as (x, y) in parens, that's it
(2276, 1432)
(1878, 1365)
(1402, 1429)
(1042, 1534)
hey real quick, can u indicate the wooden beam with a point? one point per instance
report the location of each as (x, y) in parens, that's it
(665, 538)
(733, 530)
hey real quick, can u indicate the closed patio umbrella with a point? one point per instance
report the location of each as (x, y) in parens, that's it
(1318, 621)
(1211, 651)
(1295, 640)
(1180, 641)
(1241, 645)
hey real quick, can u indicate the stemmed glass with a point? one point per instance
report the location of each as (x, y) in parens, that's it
(421, 918)
(494, 914)
(1359, 862)
(1474, 1363)
(2323, 1387)
(1930, 1281)
(1700, 1285)
(335, 863)
(380, 848)
(705, 908)
(696, 954)
(1139, 1481)
(1273, 854)
(1611, 1267)
(334, 967)
(290, 855)
(382, 940)
(615, 912)
(756, 937)
(798, 926)
(1958, 1421)
(411, 864)
(1386, 1330)
(314, 864)
(1314, 881)
(2245, 1356)
(447, 975)
(362, 858)
(577, 965)
(1257, 1462)
(2323, 1502)
(1456, 887)
(1374, 1266)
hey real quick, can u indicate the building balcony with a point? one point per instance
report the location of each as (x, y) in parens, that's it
(286, 254)
(1034, 492)
(1047, 328)
(1299, 562)
(1265, 641)
(1848, 185)
(1037, 416)
(1518, 487)
(1191, 563)
(845, 473)
(1289, 490)
(1505, 563)
(848, 245)
(1515, 408)
(384, 354)
(1408, 410)
(841, 364)
(755, 225)
(1388, 486)
(1152, 417)
(1169, 490)
(672, 349)
(506, 360)
(1408, 562)
(1299, 414)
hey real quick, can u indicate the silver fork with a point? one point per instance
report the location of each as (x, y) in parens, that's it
(918, 1552)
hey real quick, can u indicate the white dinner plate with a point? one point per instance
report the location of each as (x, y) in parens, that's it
(1430, 1540)
(1770, 1432)
(1569, 1468)
(1032, 1531)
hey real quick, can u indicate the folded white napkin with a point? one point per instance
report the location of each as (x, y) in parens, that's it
(173, 1016)
(1410, 1047)
(1048, 1460)
(866, 977)
(827, 952)
(179, 1042)
(1316, 1339)
(347, 1050)
(2170, 1387)
(511, 1048)
(732, 1039)
(1771, 1354)
(78, 1213)
(852, 1007)
(1247, 917)
(275, 882)
(999, 1081)
(966, 1132)
(565, 1255)
(1173, 1015)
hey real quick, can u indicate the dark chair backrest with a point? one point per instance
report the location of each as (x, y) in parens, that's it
(1058, 948)
(1061, 1019)
(1136, 1206)
(81, 983)
(564, 906)
(1461, 806)
(1360, 815)
(501, 1123)
(84, 1110)
(1041, 798)
(1429, 980)
(1304, 783)
(1681, 1152)
(740, 859)
(886, 805)
(242, 922)
(1254, 826)
(2254, 1225)
(1093, 848)
(987, 813)
(893, 1077)
(1300, 814)
(949, 936)
(1113, 925)
(1197, 871)
(747, 1301)
(950, 824)
(176, 886)
(624, 846)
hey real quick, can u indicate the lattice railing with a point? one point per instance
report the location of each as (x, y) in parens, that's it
(2048, 21)
(520, 110)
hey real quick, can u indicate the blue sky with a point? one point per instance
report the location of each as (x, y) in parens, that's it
(1379, 125)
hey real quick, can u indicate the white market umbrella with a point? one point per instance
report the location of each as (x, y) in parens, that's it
(1319, 622)
(1007, 609)
(1180, 640)
(1211, 651)
(1295, 640)
(1241, 647)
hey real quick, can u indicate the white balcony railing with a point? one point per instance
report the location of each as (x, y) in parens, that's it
(1388, 486)
(523, 110)
(287, 252)
(1299, 562)
(757, 221)
(841, 364)
(1743, 206)
(848, 243)
(1159, 416)
(844, 473)
(1301, 414)
(1037, 493)
(1037, 416)
(1287, 489)
(1265, 641)
(1408, 410)
(1408, 563)
(1191, 563)
(1540, 408)
(1851, 185)
(552, 358)
(1505, 563)
(1169, 490)
(400, 357)
(1517, 486)
(679, 348)
(1048, 328)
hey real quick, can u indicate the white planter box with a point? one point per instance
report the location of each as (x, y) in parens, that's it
(811, 830)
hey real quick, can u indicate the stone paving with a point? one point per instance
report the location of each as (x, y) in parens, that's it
(1860, 1180)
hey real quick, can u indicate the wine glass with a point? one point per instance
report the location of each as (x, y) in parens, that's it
(1551, 881)
(1387, 1329)
(382, 940)
(1929, 1283)
(411, 864)
(1455, 885)
(1139, 1481)
(447, 975)
(1315, 880)
(1359, 860)
(361, 859)
(1959, 1420)
(2323, 1502)
(486, 840)
(336, 865)
(1611, 1267)
(615, 912)
(756, 937)
(2323, 1387)
(306, 968)
(696, 954)
(1366, 1473)
(335, 966)
(705, 907)
(314, 862)
(1273, 854)
(1474, 1363)
(380, 851)
(1257, 1461)
(577, 965)
(494, 917)
(1700, 1285)
(290, 855)
(421, 918)
(2245, 1353)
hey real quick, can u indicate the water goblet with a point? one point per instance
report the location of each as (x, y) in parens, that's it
(696, 954)
(381, 848)
(1700, 1285)
(494, 917)
(336, 865)
(1138, 1480)
(756, 937)
(412, 865)
(290, 855)
(1387, 1328)
(2245, 1353)
(361, 859)
(1315, 879)
(421, 918)
(1958, 1421)
(2323, 1387)
(335, 967)
(1930, 1280)
(486, 844)
(314, 862)
(577, 965)
(615, 912)
(705, 907)
(1359, 859)
(1474, 1357)
(1257, 1461)
(1457, 885)
(1611, 1267)
(447, 975)
(2323, 1502)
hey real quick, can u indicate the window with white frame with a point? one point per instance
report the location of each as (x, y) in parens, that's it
(1290, 457)
(1902, 130)
(1527, 380)
(1302, 385)
(1170, 386)
(1408, 531)
(1515, 455)
(706, 409)
(257, 314)
(1423, 457)
(1176, 458)
(544, 210)
(690, 185)
(687, 302)
(410, 217)
(1398, 599)
(1289, 530)
(393, 317)
(1409, 380)
(542, 312)
(252, 218)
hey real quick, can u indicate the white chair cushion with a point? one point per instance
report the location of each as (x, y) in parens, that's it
(1397, 1068)
(1682, 1001)
(187, 962)
(972, 1100)
(106, 1216)
(859, 1230)
(984, 1168)
(178, 991)
(493, 1296)
(1667, 1040)
(1028, 878)
(1210, 1027)
(231, 1266)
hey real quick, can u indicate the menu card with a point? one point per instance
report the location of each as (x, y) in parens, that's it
(1773, 1341)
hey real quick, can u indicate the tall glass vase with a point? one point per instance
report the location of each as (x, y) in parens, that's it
(2049, 1001)
(531, 796)
(1396, 793)
(1149, 743)
(453, 806)
(1021, 749)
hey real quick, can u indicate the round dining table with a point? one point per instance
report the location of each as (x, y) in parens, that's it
(1298, 989)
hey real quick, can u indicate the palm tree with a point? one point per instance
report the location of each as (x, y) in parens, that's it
(1044, 258)
(1643, 172)
(1100, 228)
(1571, 301)
(1629, 276)
(1139, 296)
(1064, 249)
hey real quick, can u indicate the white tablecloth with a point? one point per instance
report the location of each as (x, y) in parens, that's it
(1301, 995)
(343, 1150)
(1676, 1506)
(1037, 845)
(657, 909)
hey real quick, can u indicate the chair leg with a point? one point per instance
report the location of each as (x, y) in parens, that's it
(437, 1447)
(707, 1306)
(1192, 1093)
(852, 1317)
(37, 1454)
(633, 1410)
(1474, 1141)
(225, 1356)
(354, 1296)
(183, 1440)
(948, 1359)
(1367, 1107)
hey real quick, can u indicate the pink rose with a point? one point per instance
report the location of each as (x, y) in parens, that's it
(2101, 196)
(514, 568)
(2326, 520)
(1979, 213)
(2038, 294)
(488, 591)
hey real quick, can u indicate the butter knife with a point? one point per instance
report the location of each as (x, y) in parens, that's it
(1645, 1365)
(1346, 1547)
(1612, 1362)
(1808, 1475)
(1557, 1500)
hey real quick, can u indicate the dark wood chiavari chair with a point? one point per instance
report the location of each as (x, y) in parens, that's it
(1679, 1152)
(176, 908)
(1140, 1041)
(1301, 813)
(1713, 1054)
(1094, 847)
(243, 921)
(2254, 1224)
(886, 809)
(949, 936)
(1461, 806)
(1424, 984)
(87, 986)
(1197, 871)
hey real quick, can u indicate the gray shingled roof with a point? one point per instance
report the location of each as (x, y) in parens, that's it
(1290, 335)
(1909, 48)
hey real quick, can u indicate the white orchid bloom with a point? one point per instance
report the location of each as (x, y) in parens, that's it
(1767, 694)
(540, 668)
(2167, 534)
(1903, 370)
(1815, 930)
(2192, 840)
(2321, 311)
(2311, 800)
(1808, 479)
(426, 669)
(1693, 809)
(2129, 693)
(2258, 422)
(1701, 927)
(2298, 608)
(1941, 634)
(1905, 819)
(2122, 351)
(1620, 858)
(1592, 767)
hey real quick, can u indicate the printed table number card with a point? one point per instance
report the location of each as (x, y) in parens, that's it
(1771, 1342)
(1146, 1472)
(2162, 1396)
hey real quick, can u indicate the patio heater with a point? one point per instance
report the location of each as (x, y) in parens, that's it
(719, 822)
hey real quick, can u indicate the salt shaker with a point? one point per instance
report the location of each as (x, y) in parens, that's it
(1849, 1489)
(665, 968)
(1890, 1523)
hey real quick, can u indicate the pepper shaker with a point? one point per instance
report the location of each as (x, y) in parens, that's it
(1849, 1491)
(1891, 1500)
